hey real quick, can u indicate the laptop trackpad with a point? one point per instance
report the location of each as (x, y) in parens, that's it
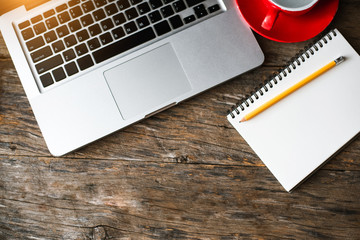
(147, 82)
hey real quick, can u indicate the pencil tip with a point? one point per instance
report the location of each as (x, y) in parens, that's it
(243, 120)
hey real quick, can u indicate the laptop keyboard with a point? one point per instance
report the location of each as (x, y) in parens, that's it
(77, 35)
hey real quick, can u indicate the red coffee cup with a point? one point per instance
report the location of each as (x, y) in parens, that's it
(290, 7)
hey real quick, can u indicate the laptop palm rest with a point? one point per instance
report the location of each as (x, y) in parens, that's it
(148, 82)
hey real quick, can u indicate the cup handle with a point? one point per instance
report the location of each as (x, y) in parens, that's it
(270, 18)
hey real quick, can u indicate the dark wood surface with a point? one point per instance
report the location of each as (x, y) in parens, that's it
(181, 174)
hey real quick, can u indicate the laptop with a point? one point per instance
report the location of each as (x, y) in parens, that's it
(90, 68)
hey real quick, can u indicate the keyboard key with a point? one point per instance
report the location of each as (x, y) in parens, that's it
(49, 13)
(69, 55)
(48, 64)
(39, 28)
(88, 6)
(85, 62)
(191, 3)
(162, 28)
(81, 49)
(73, 2)
(124, 44)
(35, 43)
(134, 2)
(46, 80)
(58, 46)
(179, 6)
(214, 8)
(87, 20)
(36, 19)
(61, 8)
(95, 30)
(107, 24)
(59, 74)
(64, 17)
(100, 3)
(41, 54)
(118, 33)
(123, 4)
(131, 13)
(51, 23)
(70, 41)
(176, 21)
(189, 19)
(111, 9)
(71, 69)
(93, 44)
(200, 11)
(62, 31)
(143, 8)
(50, 36)
(130, 27)
(74, 25)
(82, 35)
(99, 14)
(119, 19)
(155, 16)
(155, 3)
(106, 38)
(24, 25)
(167, 1)
(142, 22)
(167, 11)
(27, 33)
(76, 12)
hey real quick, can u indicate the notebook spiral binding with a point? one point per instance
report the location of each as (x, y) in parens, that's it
(282, 73)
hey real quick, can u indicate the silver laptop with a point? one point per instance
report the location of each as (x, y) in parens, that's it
(90, 68)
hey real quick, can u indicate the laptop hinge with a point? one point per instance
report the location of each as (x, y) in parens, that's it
(30, 4)
(7, 6)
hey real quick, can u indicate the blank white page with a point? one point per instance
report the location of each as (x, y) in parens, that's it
(299, 133)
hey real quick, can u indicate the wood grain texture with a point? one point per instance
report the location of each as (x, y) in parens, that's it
(182, 174)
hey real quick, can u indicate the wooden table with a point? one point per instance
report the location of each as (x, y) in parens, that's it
(182, 174)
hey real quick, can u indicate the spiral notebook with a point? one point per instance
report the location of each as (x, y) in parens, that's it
(297, 135)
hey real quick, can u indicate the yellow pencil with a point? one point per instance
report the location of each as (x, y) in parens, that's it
(292, 89)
